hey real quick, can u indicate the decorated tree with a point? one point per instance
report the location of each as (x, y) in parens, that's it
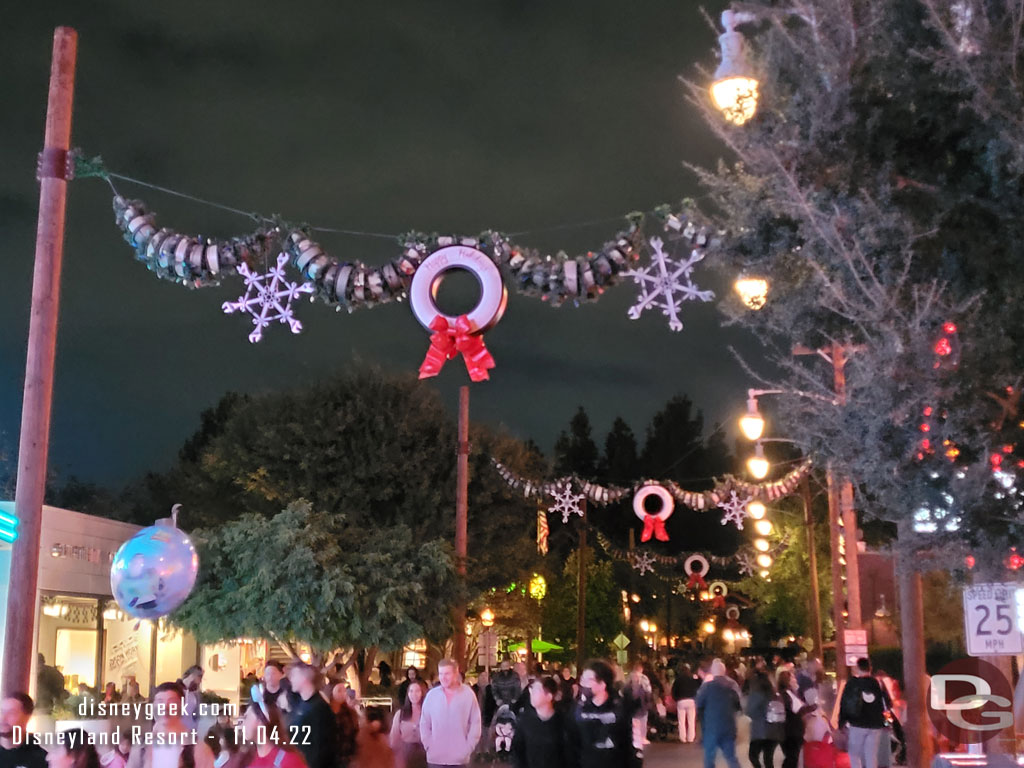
(877, 191)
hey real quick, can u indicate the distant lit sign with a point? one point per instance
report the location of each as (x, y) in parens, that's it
(8, 527)
(88, 554)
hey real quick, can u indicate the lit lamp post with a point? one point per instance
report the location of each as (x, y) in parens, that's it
(752, 427)
(487, 638)
(734, 90)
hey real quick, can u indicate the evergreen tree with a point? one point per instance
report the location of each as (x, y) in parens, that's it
(619, 464)
(575, 450)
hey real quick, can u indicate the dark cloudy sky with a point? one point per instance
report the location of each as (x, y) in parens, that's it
(383, 116)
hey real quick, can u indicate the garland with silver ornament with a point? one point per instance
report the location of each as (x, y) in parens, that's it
(726, 489)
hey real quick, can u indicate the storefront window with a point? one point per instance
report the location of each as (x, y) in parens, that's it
(415, 655)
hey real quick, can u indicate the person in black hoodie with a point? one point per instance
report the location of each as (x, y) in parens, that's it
(601, 732)
(862, 707)
(540, 739)
(684, 691)
(319, 744)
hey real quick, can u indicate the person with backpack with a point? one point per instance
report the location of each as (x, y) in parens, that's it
(793, 727)
(767, 712)
(862, 709)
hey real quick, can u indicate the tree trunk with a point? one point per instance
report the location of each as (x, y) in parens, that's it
(916, 727)
(366, 669)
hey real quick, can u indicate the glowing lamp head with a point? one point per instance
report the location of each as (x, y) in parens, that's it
(753, 292)
(709, 627)
(761, 545)
(764, 560)
(728, 635)
(757, 464)
(763, 527)
(765, 574)
(734, 89)
(752, 423)
(487, 617)
(756, 510)
(644, 625)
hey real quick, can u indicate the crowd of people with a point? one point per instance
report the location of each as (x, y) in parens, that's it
(298, 718)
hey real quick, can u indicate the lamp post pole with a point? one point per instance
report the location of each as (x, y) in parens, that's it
(581, 594)
(34, 441)
(461, 523)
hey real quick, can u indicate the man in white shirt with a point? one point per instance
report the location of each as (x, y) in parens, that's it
(450, 720)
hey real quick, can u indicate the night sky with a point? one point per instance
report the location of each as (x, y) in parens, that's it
(389, 116)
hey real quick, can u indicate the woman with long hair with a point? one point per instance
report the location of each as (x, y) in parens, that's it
(267, 740)
(405, 728)
(75, 751)
(793, 728)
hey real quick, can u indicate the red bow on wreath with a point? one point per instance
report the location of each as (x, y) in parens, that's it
(696, 580)
(654, 526)
(718, 602)
(448, 340)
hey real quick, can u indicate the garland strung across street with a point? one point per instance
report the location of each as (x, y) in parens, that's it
(696, 565)
(727, 491)
(422, 262)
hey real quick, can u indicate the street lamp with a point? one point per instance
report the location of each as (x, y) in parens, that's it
(734, 90)
(752, 422)
(487, 617)
(758, 464)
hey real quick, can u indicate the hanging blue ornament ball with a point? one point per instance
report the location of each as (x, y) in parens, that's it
(154, 571)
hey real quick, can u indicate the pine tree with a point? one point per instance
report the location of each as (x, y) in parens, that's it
(575, 450)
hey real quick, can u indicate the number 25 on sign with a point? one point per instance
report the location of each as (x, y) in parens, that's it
(991, 622)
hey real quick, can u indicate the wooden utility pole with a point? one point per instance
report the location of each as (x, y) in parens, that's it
(461, 524)
(812, 557)
(846, 510)
(34, 442)
(581, 595)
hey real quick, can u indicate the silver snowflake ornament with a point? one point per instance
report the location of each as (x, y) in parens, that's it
(268, 298)
(735, 510)
(746, 564)
(642, 562)
(666, 283)
(567, 502)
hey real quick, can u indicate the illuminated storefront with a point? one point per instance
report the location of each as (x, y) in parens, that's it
(80, 629)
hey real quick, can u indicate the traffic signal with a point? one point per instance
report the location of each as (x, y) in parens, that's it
(8, 527)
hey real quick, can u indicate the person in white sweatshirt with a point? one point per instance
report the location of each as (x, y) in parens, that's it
(450, 720)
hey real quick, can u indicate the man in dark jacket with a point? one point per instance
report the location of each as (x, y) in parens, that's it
(601, 732)
(718, 701)
(862, 707)
(311, 709)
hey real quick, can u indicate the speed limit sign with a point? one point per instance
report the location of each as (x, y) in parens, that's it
(990, 620)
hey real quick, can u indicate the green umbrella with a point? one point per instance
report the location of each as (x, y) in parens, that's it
(539, 646)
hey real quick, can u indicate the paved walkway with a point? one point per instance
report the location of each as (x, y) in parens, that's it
(665, 754)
